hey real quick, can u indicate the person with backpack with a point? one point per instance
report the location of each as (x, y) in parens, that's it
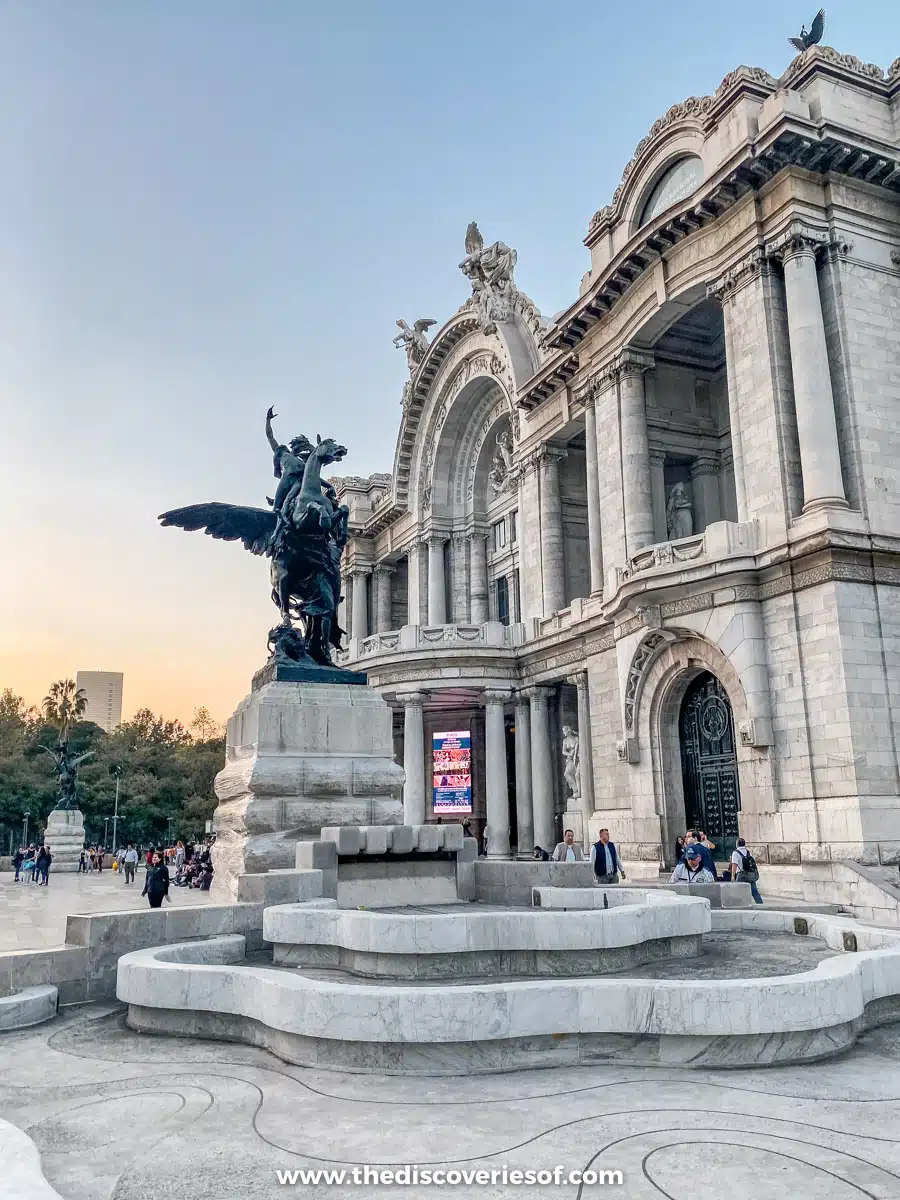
(744, 869)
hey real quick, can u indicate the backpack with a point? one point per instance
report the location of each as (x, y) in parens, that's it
(748, 865)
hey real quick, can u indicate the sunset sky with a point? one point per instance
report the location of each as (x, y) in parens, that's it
(211, 206)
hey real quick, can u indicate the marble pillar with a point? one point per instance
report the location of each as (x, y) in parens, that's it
(553, 564)
(382, 574)
(593, 496)
(459, 579)
(542, 769)
(478, 595)
(706, 491)
(636, 487)
(360, 612)
(658, 494)
(414, 583)
(820, 459)
(524, 808)
(414, 793)
(585, 754)
(495, 774)
(437, 591)
(343, 613)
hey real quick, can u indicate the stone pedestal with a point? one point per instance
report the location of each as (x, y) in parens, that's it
(300, 756)
(64, 836)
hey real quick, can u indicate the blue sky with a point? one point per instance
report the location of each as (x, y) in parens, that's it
(210, 206)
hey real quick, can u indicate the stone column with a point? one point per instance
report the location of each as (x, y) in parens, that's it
(705, 488)
(383, 573)
(360, 613)
(553, 565)
(478, 596)
(820, 459)
(524, 808)
(437, 595)
(413, 758)
(585, 753)
(639, 531)
(541, 769)
(459, 579)
(495, 774)
(658, 494)
(413, 583)
(593, 495)
(343, 611)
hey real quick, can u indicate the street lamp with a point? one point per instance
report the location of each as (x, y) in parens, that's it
(171, 821)
(105, 832)
(117, 771)
(25, 829)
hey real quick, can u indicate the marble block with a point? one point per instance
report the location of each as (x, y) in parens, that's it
(64, 837)
(300, 757)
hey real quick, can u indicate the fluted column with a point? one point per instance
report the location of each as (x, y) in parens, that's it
(383, 573)
(413, 583)
(658, 494)
(360, 610)
(524, 807)
(585, 752)
(437, 593)
(706, 491)
(497, 783)
(413, 757)
(541, 769)
(820, 458)
(593, 495)
(478, 595)
(342, 614)
(553, 563)
(639, 531)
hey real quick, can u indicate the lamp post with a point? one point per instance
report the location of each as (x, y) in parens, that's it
(171, 821)
(25, 829)
(105, 832)
(117, 771)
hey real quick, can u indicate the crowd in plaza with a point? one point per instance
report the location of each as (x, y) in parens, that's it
(191, 866)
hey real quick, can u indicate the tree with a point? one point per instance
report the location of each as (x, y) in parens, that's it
(204, 726)
(63, 706)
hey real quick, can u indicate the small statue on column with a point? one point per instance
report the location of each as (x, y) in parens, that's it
(679, 514)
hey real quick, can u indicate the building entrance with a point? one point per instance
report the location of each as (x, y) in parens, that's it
(712, 797)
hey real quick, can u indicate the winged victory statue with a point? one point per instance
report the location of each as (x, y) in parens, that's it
(303, 532)
(810, 37)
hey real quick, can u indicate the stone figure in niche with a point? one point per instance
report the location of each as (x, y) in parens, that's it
(303, 534)
(490, 271)
(679, 514)
(500, 475)
(571, 757)
(414, 341)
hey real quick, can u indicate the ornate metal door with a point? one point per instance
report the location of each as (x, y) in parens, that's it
(712, 797)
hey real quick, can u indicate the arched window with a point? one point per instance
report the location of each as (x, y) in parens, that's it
(677, 183)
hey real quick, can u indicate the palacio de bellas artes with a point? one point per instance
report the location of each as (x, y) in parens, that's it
(645, 552)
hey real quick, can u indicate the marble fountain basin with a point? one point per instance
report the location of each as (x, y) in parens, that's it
(465, 941)
(324, 1017)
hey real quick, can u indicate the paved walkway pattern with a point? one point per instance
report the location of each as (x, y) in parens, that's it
(34, 917)
(120, 1116)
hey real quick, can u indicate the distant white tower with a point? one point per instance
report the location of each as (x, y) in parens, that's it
(103, 690)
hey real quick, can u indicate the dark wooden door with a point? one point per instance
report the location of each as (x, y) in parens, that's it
(712, 798)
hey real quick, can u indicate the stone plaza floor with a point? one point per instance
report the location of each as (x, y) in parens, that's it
(122, 1116)
(34, 917)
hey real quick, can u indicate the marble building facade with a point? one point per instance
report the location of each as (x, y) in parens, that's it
(668, 518)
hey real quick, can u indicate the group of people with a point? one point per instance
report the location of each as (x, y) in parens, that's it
(193, 866)
(696, 864)
(91, 859)
(32, 864)
(604, 856)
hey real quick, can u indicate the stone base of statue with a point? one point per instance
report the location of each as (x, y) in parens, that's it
(301, 755)
(64, 835)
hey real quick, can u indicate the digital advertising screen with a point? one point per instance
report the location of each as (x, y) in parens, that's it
(452, 766)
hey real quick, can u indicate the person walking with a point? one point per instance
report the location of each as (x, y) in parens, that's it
(18, 859)
(37, 875)
(130, 862)
(45, 870)
(156, 885)
(605, 860)
(82, 864)
(745, 870)
(179, 857)
(691, 868)
(566, 850)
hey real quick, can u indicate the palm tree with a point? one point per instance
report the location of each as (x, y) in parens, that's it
(64, 706)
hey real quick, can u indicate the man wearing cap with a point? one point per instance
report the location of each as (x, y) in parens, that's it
(691, 868)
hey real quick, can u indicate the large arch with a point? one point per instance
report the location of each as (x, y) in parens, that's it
(659, 779)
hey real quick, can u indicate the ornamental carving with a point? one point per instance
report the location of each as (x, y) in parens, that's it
(489, 269)
(849, 62)
(644, 655)
(894, 69)
(501, 475)
(737, 276)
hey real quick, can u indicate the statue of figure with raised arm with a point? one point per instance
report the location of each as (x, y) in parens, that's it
(414, 341)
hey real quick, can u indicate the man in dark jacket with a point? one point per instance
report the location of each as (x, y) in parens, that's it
(605, 860)
(705, 853)
(18, 859)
